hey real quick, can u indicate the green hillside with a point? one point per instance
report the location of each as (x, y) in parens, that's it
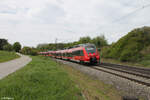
(133, 47)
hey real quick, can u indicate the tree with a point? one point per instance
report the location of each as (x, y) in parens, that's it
(7, 47)
(2, 43)
(86, 39)
(100, 41)
(17, 46)
(29, 51)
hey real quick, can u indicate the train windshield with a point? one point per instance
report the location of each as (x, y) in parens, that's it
(90, 49)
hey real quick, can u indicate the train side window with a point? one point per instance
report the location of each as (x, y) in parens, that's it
(67, 54)
(71, 54)
(75, 53)
(81, 53)
(78, 52)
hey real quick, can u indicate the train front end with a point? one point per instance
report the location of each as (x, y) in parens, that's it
(91, 54)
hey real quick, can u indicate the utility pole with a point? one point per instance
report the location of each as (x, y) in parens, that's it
(56, 43)
(143, 3)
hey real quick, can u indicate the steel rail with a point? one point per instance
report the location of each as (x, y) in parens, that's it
(129, 71)
(119, 70)
(122, 76)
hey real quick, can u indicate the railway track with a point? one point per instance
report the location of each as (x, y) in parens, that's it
(142, 72)
(135, 74)
(126, 77)
(139, 70)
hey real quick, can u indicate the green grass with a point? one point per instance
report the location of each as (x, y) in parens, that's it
(41, 79)
(142, 63)
(145, 61)
(6, 56)
(92, 88)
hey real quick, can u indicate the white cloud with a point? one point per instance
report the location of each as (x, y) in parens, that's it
(39, 21)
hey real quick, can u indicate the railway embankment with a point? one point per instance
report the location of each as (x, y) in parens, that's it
(126, 86)
(131, 49)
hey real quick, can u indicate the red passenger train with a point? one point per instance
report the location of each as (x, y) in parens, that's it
(80, 53)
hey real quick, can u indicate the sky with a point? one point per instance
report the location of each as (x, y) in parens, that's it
(31, 22)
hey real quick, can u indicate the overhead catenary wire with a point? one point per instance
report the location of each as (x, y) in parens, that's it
(131, 13)
(125, 16)
(116, 21)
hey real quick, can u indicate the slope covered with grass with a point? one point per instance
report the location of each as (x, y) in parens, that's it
(6, 56)
(134, 47)
(41, 79)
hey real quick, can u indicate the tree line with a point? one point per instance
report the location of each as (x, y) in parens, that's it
(5, 45)
(99, 41)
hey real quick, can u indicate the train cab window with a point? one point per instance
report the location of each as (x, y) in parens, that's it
(90, 49)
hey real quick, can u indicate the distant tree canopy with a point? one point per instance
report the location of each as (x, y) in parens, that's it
(29, 51)
(8, 47)
(17, 46)
(131, 47)
(3, 42)
(99, 41)
(85, 40)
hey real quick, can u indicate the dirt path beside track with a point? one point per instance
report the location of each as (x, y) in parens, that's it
(9, 67)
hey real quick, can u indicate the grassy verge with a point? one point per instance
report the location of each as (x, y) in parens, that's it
(6, 56)
(143, 63)
(91, 88)
(41, 79)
